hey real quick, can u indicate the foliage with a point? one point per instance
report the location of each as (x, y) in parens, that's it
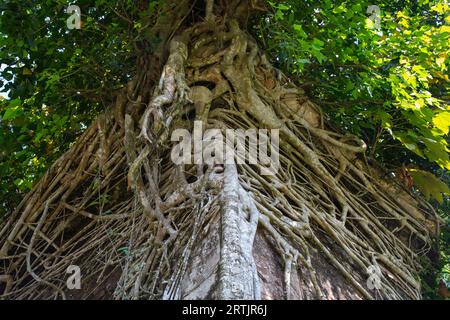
(429, 185)
(383, 84)
(57, 81)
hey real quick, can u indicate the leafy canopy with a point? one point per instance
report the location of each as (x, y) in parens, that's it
(387, 83)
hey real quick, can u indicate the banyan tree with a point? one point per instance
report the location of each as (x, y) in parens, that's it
(327, 224)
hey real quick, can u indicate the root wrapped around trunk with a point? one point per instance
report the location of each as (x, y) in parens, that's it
(140, 226)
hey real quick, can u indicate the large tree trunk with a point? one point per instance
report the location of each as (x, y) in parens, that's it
(141, 227)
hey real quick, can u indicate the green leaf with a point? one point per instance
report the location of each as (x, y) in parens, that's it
(437, 151)
(18, 182)
(12, 112)
(429, 185)
(283, 7)
(442, 121)
(409, 140)
(300, 32)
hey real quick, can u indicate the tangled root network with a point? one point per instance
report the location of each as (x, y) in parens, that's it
(118, 207)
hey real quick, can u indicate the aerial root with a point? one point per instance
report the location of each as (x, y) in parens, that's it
(115, 204)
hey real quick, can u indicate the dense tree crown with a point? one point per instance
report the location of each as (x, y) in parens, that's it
(380, 69)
